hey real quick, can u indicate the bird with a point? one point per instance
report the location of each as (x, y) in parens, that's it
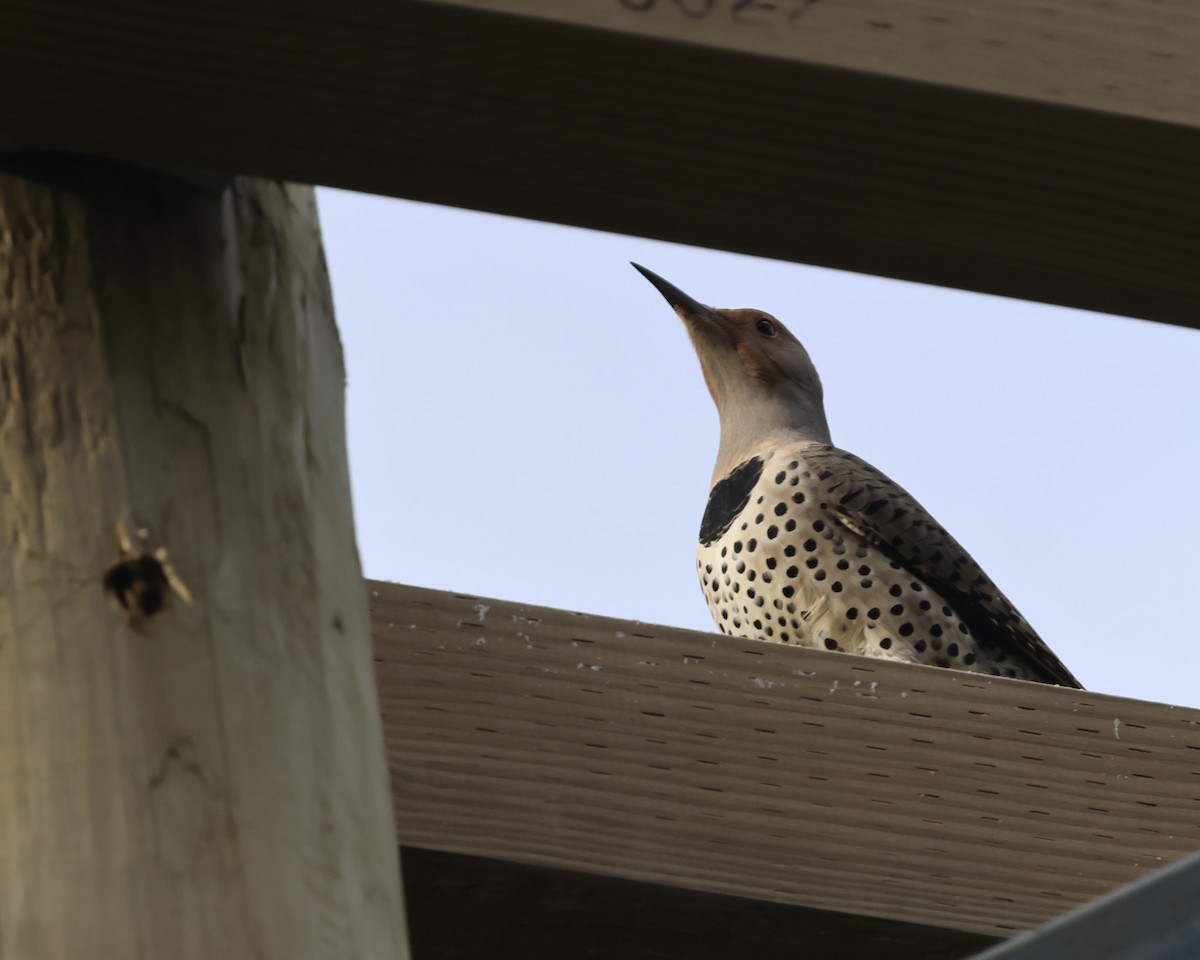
(804, 543)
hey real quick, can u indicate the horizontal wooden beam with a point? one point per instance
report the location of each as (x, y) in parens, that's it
(473, 908)
(734, 767)
(1046, 153)
(1133, 59)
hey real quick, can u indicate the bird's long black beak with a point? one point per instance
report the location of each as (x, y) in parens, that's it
(673, 295)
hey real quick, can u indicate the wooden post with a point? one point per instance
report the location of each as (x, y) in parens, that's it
(207, 779)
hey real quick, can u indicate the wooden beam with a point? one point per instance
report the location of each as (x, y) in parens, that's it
(473, 908)
(754, 770)
(1132, 59)
(191, 763)
(1046, 153)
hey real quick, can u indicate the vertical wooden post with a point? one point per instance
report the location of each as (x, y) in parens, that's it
(205, 781)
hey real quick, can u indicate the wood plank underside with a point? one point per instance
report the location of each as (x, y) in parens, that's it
(1137, 59)
(607, 129)
(749, 769)
(472, 908)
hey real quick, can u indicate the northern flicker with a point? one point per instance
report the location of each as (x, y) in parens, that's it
(804, 543)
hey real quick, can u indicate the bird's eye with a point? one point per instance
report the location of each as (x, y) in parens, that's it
(765, 327)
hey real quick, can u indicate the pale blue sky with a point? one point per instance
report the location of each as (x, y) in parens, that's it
(527, 421)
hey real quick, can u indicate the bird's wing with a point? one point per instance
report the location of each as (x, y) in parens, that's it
(873, 507)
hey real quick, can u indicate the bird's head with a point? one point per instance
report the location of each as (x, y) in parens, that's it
(760, 376)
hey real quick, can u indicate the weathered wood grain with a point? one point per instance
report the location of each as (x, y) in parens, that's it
(205, 780)
(908, 793)
(1040, 152)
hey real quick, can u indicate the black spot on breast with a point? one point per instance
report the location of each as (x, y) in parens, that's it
(728, 498)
